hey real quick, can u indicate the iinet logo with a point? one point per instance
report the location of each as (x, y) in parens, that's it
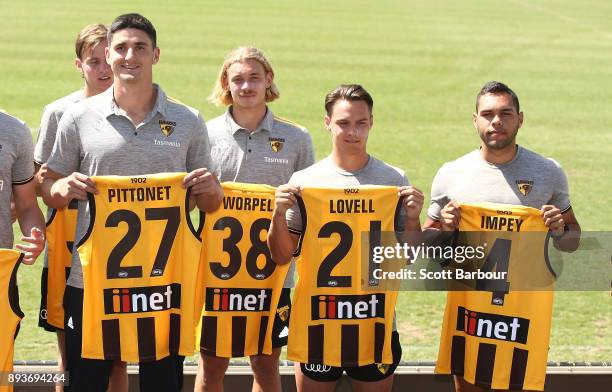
(238, 300)
(492, 326)
(347, 306)
(142, 299)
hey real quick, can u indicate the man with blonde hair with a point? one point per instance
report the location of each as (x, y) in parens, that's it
(91, 63)
(250, 144)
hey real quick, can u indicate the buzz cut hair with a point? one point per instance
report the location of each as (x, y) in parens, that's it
(348, 92)
(133, 21)
(90, 36)
(221, 94)
(498, 88)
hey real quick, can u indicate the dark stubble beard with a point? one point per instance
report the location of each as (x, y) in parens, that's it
(499, 144)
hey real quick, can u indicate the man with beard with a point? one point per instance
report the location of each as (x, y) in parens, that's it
(500, 171)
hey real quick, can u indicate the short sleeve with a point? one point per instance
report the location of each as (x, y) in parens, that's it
(198, 153)
(560, 197)
(65, 157)
(46, 136)
(306, 153)
(23, 167)
(293, 215)
(439, 195)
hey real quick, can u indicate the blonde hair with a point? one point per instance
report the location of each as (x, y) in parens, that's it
(89, 37)
(221, 96)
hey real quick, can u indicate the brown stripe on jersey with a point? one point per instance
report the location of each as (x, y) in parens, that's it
(379, 341)
(175, 332)
(110, 339)
(238, 335)
(519, 367)
(315, 344)
(146, 338)
(208, 337)
(484, 364)
(263, 327)
(349, 346)
(458, 355)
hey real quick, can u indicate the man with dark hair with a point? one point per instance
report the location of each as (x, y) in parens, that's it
(350, 93)
(90, 62)
(498, 88)
(131, 129)
(349, 120)
(133, 21)
(502, 172)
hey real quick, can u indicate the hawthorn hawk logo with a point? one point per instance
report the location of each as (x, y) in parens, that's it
(276, 144)
(524, 186)
(167, 127)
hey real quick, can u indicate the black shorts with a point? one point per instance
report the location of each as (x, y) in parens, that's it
(280, 329)
(368, 373)
(93, 374)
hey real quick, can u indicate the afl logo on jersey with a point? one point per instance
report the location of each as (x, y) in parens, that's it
(524, 186)
(157, 272)
(276, 144)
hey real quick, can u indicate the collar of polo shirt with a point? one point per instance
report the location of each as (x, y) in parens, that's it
(266, 124)
(111, 107)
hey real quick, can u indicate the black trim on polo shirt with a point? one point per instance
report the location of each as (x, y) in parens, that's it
(23, 181)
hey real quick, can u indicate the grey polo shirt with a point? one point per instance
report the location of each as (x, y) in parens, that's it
(269, 155)
(95, 137)
(48, 125)
(529, 179)
(16, 168)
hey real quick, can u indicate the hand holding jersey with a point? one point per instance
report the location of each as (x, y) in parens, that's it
(413, 200)
(551, 215)
(205, 189)
(336, 326)
(131, 129)
(500, 172)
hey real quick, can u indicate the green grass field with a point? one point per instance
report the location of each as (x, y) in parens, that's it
(423, 61)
